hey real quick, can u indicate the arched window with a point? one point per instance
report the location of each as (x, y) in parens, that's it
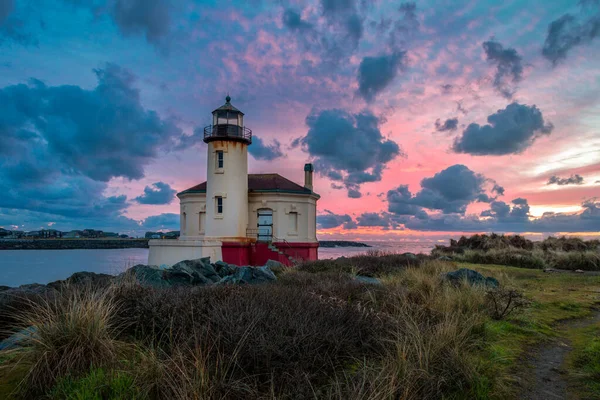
(183, 223)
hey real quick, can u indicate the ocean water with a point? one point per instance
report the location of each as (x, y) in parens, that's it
(20, 267)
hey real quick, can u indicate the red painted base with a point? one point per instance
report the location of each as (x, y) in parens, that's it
(259, 253)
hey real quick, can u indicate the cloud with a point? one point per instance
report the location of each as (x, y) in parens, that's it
(11, 27)
(510, 131)
(572, 180)
(260, 151)
(168, 221)
(62, 144)
(157, 193)
(508, 67)
(449, 125)
(6, 7)
(499, 190)
(570, 31)
(293, 20)
(450, 191)
(376, 73)
(330, 220)
(348, 147)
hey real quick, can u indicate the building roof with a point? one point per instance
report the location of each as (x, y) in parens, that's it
(228, 106)
(259, 183)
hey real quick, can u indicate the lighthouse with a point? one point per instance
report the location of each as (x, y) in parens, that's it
(241, 218)
(227, 174)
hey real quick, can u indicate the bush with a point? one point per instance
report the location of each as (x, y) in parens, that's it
(367, 265)
(71, 333)
(275, 335)
(503, 301)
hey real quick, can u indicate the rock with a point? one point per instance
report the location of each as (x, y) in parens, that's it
(472, 277)
(368, 280)
(223, 269)
(199, 271)
(17, 339)
(551, 270)
(410, 256)
(84, 278)
(579, 271)
(444, 258)
(147, 275)
(249, 275)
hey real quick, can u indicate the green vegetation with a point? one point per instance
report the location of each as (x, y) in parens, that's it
(560, 253)
(317, 332)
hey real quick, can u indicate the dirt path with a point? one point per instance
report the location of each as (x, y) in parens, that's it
(547, 379)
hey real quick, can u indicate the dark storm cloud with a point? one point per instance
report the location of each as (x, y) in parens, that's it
(508, 67)
(62, 144)
(499, 190)
(150, 18)
(572, 180)
(6, 7)
(450, 124)
(449, 191)
(157, 193)
(570, 31)
(509, 131)
(373, 219)
(12, 29)
(376, 73)
(260, 151)
(293, 20)
(101, 133)
(330, 220)
(348, 147)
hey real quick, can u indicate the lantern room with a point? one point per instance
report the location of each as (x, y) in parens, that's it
(228, 124)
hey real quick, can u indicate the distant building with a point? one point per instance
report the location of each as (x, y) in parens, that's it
(239, 218)
(72, 235)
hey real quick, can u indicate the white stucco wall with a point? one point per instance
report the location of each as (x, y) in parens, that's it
(284, 204)
(192, 207)
(169, 252)
(230, 183)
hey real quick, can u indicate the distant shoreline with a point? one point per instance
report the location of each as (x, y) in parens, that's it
(107, 243)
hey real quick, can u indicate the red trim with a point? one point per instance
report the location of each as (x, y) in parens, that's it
(259, 253)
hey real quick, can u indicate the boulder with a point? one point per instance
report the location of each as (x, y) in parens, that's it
(84, 278)
(17, 339)
(147, 275)
(200, 272)
(444, 258)
(410, 256)
(249, 275)
(471, 277)
(223, 269)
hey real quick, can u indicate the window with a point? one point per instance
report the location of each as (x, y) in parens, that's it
(220, 160)
(183, 223)
(219, 204)
(293, 222)
(201, 221)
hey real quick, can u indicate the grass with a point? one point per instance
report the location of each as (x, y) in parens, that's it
(314, 333)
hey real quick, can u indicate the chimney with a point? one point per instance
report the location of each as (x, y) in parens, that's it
(308, 175)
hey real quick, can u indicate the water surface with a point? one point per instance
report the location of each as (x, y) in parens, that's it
(19, 267)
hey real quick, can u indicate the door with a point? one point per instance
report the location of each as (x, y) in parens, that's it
(265, 225)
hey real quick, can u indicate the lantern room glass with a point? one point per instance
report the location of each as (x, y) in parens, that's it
(228, 118)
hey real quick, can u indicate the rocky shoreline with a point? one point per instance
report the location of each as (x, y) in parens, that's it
(341, 243)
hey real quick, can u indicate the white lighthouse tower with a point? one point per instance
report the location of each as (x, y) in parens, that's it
(227, 174)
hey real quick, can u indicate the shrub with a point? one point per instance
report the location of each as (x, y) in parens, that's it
(278, 335)
(367, 265)
(503, 301)
(71, 333)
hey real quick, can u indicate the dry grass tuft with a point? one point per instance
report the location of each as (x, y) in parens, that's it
(72, 333)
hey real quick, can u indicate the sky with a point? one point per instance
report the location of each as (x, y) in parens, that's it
(423, 119)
